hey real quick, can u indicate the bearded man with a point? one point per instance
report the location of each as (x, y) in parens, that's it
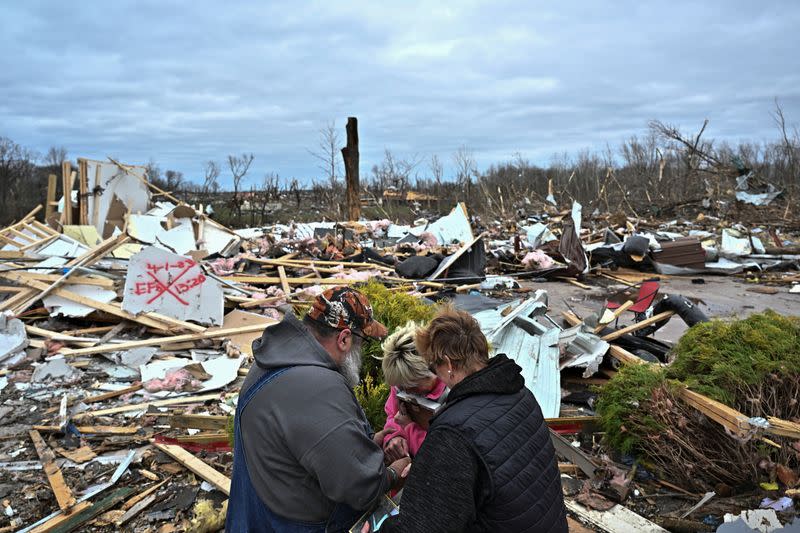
(304, 458)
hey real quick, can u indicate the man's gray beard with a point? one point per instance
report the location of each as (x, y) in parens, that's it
(351, 367)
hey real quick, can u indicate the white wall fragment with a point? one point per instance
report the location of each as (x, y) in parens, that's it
(172, 285)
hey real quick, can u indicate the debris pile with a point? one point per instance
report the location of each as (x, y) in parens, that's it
(127, 318)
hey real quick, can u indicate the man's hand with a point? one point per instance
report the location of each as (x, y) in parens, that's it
(401, 468)
(395, 449)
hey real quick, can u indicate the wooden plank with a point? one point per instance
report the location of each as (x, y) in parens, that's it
(225, 332)
(268, 280)
(198, 421)
(287, 290)
(142, 495)
(54, 522)
(637, 326)
(76, 520)
(67, 177)
(197, 466)
(112, 394)
(63, 494)
(96, 196)
(83, 192)
(105, 283)
(145, 405)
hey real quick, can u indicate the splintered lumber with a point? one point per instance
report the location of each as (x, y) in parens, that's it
(113, 394)
(198, 421)
(266, 280)
(287, 290)
(783, 428)
(197, 466)
(76, 520)
(637, 326)
(142, 495)
(734, 421)
(158, 341)
(63, 494)
(135, 505)
(60, 518)
(74, 280)
(146, 405)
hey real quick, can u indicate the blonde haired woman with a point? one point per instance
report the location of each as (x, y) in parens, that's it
(406, 372)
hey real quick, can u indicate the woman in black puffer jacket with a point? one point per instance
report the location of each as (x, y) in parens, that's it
(487, 463)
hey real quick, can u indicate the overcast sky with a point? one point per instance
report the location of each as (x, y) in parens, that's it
(185, 82)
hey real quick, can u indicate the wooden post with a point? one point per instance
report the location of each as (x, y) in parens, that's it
(66, 180)
(83, 192)
(351, 158)
(52, 184)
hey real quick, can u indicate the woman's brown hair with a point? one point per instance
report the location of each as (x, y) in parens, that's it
(456, 335)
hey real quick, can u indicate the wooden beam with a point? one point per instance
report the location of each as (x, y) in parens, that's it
(198, 421)
(113, 394)
(96, 196)
(83, 192)
(637, 326)
(63, 494)
(158, 341)
(105, 283)
(145, 405)
(197, 466)
(287, 290)
(76, 520)
(66, 182)
(60, 518)
(266, 280)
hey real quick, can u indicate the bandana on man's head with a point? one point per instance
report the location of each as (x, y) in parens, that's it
(346, 308)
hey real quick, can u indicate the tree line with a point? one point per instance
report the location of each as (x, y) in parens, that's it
(647, 174)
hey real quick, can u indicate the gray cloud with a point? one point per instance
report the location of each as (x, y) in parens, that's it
(186, 82)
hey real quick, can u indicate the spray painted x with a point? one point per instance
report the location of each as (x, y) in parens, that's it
(167, 288)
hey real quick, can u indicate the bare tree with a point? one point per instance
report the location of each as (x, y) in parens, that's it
(239, 165)
(211, 178)
(174, 180)
(55, 156)
(466, 169)
(437, 173)
(790, 145)
(327, 154)
(153, 172)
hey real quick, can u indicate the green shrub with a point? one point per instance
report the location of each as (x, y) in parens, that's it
(622, 406)
(392, 309)
(372, 395)
(723, 360)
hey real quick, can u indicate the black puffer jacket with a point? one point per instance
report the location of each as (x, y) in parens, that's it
(487, 463)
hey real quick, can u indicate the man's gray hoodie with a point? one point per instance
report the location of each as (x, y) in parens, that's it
(305, 435)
